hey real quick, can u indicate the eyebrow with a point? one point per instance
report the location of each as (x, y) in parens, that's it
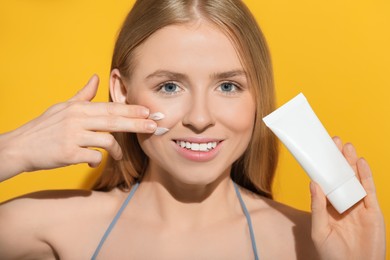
(229, 74)
(181, 76)
(166, 74)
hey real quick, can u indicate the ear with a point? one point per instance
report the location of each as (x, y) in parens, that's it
(118, 91)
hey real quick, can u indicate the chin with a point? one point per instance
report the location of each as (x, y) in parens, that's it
(193, 178)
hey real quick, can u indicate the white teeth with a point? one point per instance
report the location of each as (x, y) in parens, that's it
(203, 147)
(195, 147)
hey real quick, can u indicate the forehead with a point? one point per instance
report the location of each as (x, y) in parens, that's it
(199, 46)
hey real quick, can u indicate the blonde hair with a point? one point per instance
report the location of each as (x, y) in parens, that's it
(255, 169)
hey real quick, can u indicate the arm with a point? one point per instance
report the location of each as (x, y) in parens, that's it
(9, 165)
(67, 133)
(20, 232)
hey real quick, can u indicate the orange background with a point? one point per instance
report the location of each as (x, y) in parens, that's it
(335, 52)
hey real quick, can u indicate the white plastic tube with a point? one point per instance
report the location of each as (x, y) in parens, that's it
(298, 127)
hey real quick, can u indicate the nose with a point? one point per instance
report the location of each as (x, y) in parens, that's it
(199, 114)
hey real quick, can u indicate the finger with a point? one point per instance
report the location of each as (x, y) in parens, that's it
(90, 156)
(120, 124)
(102, 140)
(364, 171)
(320, 217)
(339, 143)
(350, 154)
(112, 109)
(88, 92)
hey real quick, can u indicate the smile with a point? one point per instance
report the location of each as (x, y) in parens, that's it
(202, 147)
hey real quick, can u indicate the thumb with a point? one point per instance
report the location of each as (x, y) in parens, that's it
(88, 92)
(320, 217)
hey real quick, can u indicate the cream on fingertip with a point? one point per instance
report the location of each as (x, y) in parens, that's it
(161, 131)
(156, 116)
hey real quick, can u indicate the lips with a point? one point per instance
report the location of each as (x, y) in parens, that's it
(198, 149)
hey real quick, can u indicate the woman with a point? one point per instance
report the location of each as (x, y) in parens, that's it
(201, 71)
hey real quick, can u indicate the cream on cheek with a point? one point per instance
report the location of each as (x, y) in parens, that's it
(172, 110)
(235, 115)
(155, 146)
(167, 112)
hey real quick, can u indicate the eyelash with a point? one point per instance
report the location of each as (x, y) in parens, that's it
(161, 90)
(236, 88)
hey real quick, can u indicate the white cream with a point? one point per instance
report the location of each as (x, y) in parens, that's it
(160, 130)
(156, 116)
(298, 127)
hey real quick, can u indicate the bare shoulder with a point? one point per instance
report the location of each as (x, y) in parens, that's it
(278, 226)
(36, 224)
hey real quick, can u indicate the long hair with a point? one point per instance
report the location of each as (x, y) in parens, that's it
(255, 169)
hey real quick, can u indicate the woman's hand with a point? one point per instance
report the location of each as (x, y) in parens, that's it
(359, 233)
(67, 133)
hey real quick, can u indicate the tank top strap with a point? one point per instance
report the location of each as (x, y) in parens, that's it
(113, 222)
(248, 219)
(133, 190)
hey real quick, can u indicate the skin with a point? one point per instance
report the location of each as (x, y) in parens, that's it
(183, 209)
(69, 128)
(198, 110)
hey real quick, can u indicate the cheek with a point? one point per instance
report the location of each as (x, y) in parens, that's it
(173, 109)
(238, 115)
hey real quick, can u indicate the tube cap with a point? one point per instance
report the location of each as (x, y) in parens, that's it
(346, 195)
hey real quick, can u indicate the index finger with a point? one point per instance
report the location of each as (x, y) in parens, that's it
(113, 109)
(126, 110)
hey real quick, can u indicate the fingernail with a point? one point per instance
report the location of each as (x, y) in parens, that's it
(156, 116)
(161, 131)
(151, 126)
(144, 112)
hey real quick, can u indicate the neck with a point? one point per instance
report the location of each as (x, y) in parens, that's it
(188, 206)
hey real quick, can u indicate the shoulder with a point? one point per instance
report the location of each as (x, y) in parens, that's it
(278, 226)
(31, 224)
(284, 217)
(46, 205)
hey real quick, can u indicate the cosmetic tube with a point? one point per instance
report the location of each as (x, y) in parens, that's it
(300, 130)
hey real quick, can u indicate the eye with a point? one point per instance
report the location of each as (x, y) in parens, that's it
(228, 87)
(169, 88)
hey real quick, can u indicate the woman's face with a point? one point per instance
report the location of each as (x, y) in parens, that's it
(193, 75)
